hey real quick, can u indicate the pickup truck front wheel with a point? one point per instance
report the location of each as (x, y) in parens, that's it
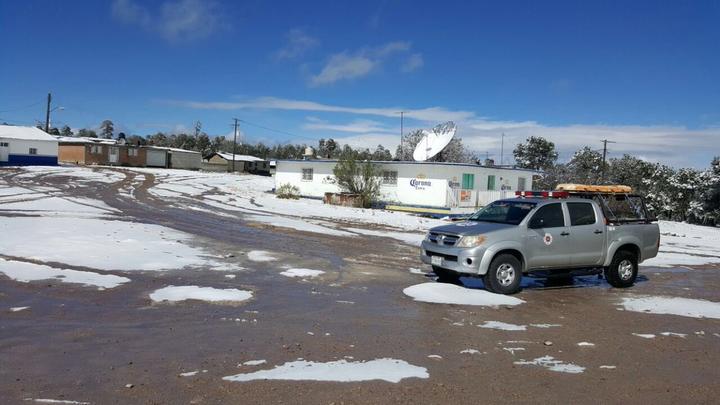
(503, 275)
(623, 269)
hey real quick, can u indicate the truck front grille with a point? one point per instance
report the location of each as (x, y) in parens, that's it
(443, 239)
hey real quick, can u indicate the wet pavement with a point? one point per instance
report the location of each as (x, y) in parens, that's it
(76, 343)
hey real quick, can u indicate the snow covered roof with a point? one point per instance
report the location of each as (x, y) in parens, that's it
(239, 158)
(25, 133)
(173, 149)
(84, 139)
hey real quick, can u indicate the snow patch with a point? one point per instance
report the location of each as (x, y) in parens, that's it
(27, 272)
(56, 401)
(502, 326)
(512, 350)
(469, 351)
(586, 344)
(545, 325)
(260, 256)
(302, 273)
(193, 292)
(644, 335)
(442, 293)
(673, 334)
(551, 364)
(390, 370)
(18, 309)
(189, 373)
(254, 362)
(609, 367)
(689, 307)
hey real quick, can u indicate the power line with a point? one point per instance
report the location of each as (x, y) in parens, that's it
(22, 108)
(271, 129)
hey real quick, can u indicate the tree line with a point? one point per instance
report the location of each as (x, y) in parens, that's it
(682, 194)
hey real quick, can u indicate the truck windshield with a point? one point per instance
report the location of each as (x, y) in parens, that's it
(504, 212)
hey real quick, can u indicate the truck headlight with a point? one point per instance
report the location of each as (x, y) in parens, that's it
(471, 241)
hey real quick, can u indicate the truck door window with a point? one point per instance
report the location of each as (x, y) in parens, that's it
(581, 214)
(548, 216)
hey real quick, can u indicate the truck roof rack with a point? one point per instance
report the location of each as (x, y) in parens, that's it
(591, 188)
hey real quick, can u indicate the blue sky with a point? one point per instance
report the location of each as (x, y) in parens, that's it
(643, 74)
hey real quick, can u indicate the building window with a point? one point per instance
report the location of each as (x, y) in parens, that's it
(4, 144)
(132, 152)
(307, 174)
(468, 181)
(491, 182)
(521, 184)
(96, 149)
(33, 151)
(389, 177)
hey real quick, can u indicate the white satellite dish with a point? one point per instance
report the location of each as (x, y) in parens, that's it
(434, 141)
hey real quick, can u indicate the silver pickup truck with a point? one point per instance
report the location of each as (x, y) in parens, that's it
(608, 233)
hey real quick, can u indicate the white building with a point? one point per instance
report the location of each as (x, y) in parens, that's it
(419, 184)
(23, 146)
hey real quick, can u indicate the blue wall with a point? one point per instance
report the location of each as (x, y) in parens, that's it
(30, 160)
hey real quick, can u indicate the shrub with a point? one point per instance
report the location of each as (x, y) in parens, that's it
(288, 191)
(361, 178)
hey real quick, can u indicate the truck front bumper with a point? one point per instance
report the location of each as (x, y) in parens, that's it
(461, 260)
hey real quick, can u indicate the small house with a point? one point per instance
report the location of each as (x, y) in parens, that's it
(25, 146)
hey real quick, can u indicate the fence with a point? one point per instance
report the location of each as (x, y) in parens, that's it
(474, 198)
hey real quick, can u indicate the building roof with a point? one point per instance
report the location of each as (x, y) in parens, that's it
(84, 139)
(25, 133)
(239, 158)
(173, 149)
(408, 162)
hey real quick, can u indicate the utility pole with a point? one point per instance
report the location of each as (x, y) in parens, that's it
(234, 143)
(502, 148)
(602, 169)
(47, 114)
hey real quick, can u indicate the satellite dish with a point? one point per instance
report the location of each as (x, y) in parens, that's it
(434, 141)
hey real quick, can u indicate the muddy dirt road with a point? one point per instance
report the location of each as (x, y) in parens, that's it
(573, 343)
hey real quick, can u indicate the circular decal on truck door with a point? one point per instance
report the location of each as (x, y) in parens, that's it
(548, 239)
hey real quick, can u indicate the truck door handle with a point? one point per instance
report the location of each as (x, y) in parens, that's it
(565, 233)
(597, 231)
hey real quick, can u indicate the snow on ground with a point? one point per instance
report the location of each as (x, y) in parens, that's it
(193, 292)
(586, 344)
(56, 401)
(80, 173)
(261, 256)
(673, 334)
(442, 293)
(297, 224)
(685, 244)
(189, 373)
(98, 243)
(46, 205)
(410, 238)
(302, 273)
(26, 272)
(254, 194)
(18, 309)
(694, 308)
(502, 326)
(469, 351)
(551, 364)
(644, 335)
(390, 370)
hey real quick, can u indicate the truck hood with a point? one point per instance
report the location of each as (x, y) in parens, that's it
(471, 228)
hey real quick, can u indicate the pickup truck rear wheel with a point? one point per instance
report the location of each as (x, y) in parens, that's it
(623, 269)
(504, 275)
(446, 276)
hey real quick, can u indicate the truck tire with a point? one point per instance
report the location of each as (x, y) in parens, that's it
(503, 275)
(623, 269)
(446, 276)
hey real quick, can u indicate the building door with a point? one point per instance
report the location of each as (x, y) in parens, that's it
(491, 182)
(114, 154)
(4, 151)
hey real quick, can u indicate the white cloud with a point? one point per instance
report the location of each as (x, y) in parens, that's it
(356, 126)
(176, 20)
(351, 65)
(342, 66)
(298, 42)
(413, 63)
(430, 114)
